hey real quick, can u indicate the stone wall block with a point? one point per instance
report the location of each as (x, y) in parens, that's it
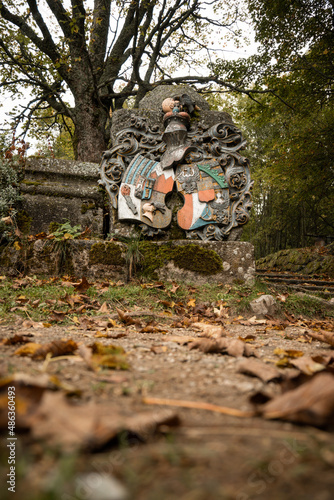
(57, 190)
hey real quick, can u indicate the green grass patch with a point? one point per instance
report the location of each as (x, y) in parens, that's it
(43, 299)
(238, 297)
(307, 306)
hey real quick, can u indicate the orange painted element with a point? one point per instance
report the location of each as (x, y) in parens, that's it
(164, 185)
(207, 195)
(185, 215)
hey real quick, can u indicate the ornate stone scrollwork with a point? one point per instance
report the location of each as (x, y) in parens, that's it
(210, 174)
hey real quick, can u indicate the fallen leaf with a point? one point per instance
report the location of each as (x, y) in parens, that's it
(126, 318)
(83, 285)
(39, 351)
(323, 336)
(311, 403)
(58, 316)
(248, 338)
(28, 349)
(17, 339)
(179, 339)
(210, 330)
(258, 369)
(104, 308)
(232, 347)
(290, 353)
(109, 356)
(152, 329)
(307, 365)
(91, 427)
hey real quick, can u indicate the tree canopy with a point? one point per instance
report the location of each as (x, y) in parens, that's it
(291, 137)
(102, 52)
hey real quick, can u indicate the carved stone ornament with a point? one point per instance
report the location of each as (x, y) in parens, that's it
(204, 163)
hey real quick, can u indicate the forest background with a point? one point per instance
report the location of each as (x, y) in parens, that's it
(78, 61)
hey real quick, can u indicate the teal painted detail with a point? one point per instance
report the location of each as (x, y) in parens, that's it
(204, 219)
(218, 178)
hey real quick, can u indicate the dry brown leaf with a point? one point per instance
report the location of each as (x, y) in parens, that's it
(289, 353)
(208, 345)
(307, 365)
(17, 339)
(83, 285)
(104, 308)
(311, 403)
(232, 347)
(87, 353)
(28, 393)
(28, 349)
(126, 318)
(237, 348)
(248, 338)
(56, 348)
(109, 356)
(90, 426)
(210, 330)
(152, 329)
(179, 339)
(58, 315)
(323, 336)
(258, 369)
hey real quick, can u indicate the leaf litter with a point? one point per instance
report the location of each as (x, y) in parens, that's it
(208, 330)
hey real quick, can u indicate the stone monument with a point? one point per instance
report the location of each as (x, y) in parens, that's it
(175, 174)
(181, 157)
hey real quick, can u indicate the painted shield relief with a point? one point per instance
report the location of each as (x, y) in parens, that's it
(206, 196)
(143, 191)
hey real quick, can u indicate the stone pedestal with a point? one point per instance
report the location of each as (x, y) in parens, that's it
(207, 262)
(58, 190)
(181, 260)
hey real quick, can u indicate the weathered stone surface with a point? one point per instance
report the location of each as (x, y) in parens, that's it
(264, 305)
(150, 108)
(132, 136)
(301, 260)
(57, 190)
(236, 258)
(181, 260)
(153, 99)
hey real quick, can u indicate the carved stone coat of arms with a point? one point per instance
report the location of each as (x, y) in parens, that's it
(203, 165)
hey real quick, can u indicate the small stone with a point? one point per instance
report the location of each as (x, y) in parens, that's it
(95, 486)
(264, 305)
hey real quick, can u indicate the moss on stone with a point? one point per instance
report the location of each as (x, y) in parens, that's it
(154, 257)
(23, 221)
(190, 257)
(87, 206)
(197, 259)
(106, 253)
(53, 226)
(302, 260)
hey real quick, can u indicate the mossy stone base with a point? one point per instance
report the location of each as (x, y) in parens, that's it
(182, 260)
(198, 262)
(306, 261)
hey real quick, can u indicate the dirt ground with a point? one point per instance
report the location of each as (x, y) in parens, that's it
(195, 453)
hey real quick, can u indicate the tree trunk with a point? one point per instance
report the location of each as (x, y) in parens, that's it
(90, 138)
